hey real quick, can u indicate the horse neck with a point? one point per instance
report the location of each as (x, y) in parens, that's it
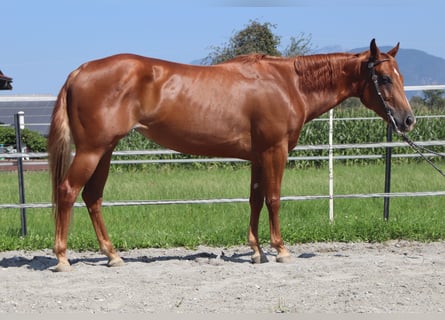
(326, 80)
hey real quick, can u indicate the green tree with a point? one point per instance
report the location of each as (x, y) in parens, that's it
(417, 103)
(258, 37)
(434, 98)
(298, 46)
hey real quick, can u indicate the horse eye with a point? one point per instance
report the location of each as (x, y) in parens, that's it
(384, 79)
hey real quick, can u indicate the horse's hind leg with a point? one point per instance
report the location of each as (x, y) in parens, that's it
(80, 171)
(92, 195)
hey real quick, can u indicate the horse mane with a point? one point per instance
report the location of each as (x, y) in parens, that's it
(316, 72)
(320, 71)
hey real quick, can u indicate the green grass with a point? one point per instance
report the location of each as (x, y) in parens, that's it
(420, 218)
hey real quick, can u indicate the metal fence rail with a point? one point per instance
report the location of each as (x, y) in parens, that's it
(229, 200)
(162, 152)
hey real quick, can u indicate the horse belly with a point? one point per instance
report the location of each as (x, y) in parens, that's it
(185, 135)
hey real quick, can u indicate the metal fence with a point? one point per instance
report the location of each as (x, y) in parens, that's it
(329, 147)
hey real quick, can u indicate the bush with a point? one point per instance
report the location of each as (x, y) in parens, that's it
(32, 139)
(7, 136)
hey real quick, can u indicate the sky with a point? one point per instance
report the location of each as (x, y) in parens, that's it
(42, 41)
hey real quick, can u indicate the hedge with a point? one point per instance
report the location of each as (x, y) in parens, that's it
(32, 139)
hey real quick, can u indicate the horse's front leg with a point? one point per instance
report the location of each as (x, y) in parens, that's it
(256, 202)
(276, 241)
(273, 170)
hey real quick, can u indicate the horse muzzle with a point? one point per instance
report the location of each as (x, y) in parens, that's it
(403, 122)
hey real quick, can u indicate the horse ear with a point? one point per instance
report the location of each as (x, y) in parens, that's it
(375, 51)
(394, 50)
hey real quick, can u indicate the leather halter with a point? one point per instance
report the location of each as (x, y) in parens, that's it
(371, 67)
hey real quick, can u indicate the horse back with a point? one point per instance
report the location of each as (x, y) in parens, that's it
(210, 110)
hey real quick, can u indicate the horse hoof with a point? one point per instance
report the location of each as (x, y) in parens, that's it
(116, 262)
(285, 259)
(63, 267)
(259, 258)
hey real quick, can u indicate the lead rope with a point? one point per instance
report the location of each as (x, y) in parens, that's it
(417, 148)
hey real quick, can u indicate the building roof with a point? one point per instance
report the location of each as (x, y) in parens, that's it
(5, 82)
(37, 111)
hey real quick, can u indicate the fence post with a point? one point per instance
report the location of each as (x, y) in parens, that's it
(331, 166)
(19, 125)
(388, 156)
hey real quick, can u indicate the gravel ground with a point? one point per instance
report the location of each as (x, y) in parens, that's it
(392, 277)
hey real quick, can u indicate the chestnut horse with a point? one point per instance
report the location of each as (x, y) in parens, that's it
(252, 107)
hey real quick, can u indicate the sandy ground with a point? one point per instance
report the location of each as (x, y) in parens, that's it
(393, 277)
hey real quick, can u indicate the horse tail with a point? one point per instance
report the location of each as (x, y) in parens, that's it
(59, 142)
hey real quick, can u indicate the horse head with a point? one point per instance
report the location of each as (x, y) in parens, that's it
(383, 90)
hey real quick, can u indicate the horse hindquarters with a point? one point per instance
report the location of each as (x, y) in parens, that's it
(89, 168)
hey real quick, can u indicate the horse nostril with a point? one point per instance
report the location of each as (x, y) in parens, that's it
(409, 121)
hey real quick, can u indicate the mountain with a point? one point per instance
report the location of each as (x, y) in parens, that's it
(417, 66)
